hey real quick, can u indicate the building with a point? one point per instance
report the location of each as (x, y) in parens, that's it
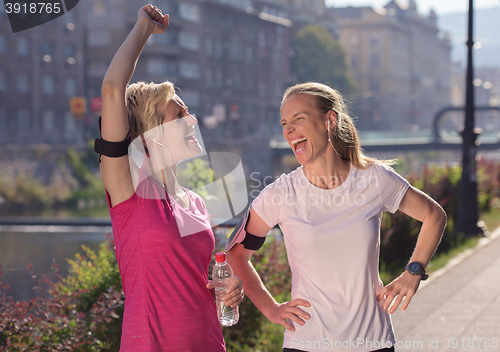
(401, 62)
(41, 69)
(229, 59)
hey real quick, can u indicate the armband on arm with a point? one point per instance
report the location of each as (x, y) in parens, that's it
(110, 149)
(240, 235)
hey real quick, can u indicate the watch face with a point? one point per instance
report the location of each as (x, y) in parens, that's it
(414, 267)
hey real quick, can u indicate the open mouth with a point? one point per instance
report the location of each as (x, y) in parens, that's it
(299, 144)
(190, 137)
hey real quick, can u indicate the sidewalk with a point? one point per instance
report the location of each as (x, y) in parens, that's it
(459, 308)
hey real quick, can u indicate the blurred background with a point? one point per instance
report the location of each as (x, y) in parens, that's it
(397, 63)
(400, 65)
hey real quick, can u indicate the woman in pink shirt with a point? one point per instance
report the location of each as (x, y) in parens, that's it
(163, 237)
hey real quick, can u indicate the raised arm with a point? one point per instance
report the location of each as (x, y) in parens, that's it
(239, 259)
(114, 121)
(421, 207)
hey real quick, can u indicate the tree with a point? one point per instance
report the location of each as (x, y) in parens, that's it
(321, 58)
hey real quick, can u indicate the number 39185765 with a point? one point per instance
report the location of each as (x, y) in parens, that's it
(34, 7)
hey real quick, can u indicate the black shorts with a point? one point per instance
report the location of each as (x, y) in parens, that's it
(391, 349)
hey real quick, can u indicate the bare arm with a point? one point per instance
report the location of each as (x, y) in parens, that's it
(421, 207)
(239, 259)
(114, 122)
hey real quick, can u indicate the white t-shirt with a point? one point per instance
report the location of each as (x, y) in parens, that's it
(332, 237)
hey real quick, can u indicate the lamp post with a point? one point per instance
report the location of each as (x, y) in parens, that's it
(468, 209)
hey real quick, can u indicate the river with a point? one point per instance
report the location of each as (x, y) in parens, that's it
(41, 246)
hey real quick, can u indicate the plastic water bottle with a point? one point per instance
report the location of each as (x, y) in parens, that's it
(220, 277)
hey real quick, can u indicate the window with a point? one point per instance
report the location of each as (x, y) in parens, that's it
(374, 40)
(218, 49)
(209, 78)
(70, 124)
(374, 85)
(374, 60)
(99, 38)
(47, 51)
(99, 8)
(248, 55)
(354, 61)
(70, 53)
(70, 87)
(189, 12)
(270, 39)
(3, 117)
(354, 39)
(236, 52)
(3, 82)
(23, 83)
(23, 120)
(161, 67)
(279, 37)
(189, 41)
(164, 6)
(262, 89)
(191, 98)
(23, 48)
(3, 41)
(48, 84)
(262, 39)
(97, 69)
(208, 48)
(48, 120)
(161, 40)
(218, 79)
(47, 48)
(189, 70)
(69, 17)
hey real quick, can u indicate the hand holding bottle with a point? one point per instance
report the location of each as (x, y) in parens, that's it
(228, 291)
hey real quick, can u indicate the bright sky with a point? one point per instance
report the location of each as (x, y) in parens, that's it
(441, 7)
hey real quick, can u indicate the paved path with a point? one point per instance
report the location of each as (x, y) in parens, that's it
(459, 309)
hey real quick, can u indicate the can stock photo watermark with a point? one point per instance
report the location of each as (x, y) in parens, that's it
(25, 14)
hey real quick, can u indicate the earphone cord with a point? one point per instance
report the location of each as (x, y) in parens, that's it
(329, 140)
(175, 178)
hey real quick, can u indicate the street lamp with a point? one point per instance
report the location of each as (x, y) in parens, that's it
(468, 209)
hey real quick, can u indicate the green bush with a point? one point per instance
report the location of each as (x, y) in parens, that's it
(254, 332)
(92, 275)
(90, 299)
(72, 184)
(24, 193)
(90, 186)
(52, 321)
(399, 232)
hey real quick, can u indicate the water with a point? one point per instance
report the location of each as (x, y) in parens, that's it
(227, 316)
(41, 246)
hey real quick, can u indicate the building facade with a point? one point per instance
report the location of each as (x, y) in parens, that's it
(41, 69)
(401, 63)
(229, 59)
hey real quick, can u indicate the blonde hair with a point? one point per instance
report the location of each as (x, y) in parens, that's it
(344, 134)
(142, 99)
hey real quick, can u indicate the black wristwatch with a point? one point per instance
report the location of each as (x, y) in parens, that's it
(417, 269)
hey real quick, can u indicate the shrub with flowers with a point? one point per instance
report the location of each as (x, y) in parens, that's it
(84, 311)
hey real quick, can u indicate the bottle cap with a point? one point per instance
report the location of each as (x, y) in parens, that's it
(220, 257)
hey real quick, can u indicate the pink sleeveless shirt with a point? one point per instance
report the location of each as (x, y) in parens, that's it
(167, 306)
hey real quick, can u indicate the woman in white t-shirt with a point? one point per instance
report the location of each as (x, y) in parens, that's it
(329, 210)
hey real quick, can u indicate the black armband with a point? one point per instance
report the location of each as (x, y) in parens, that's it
(253, 242)
(110, 149)
(241, 235)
